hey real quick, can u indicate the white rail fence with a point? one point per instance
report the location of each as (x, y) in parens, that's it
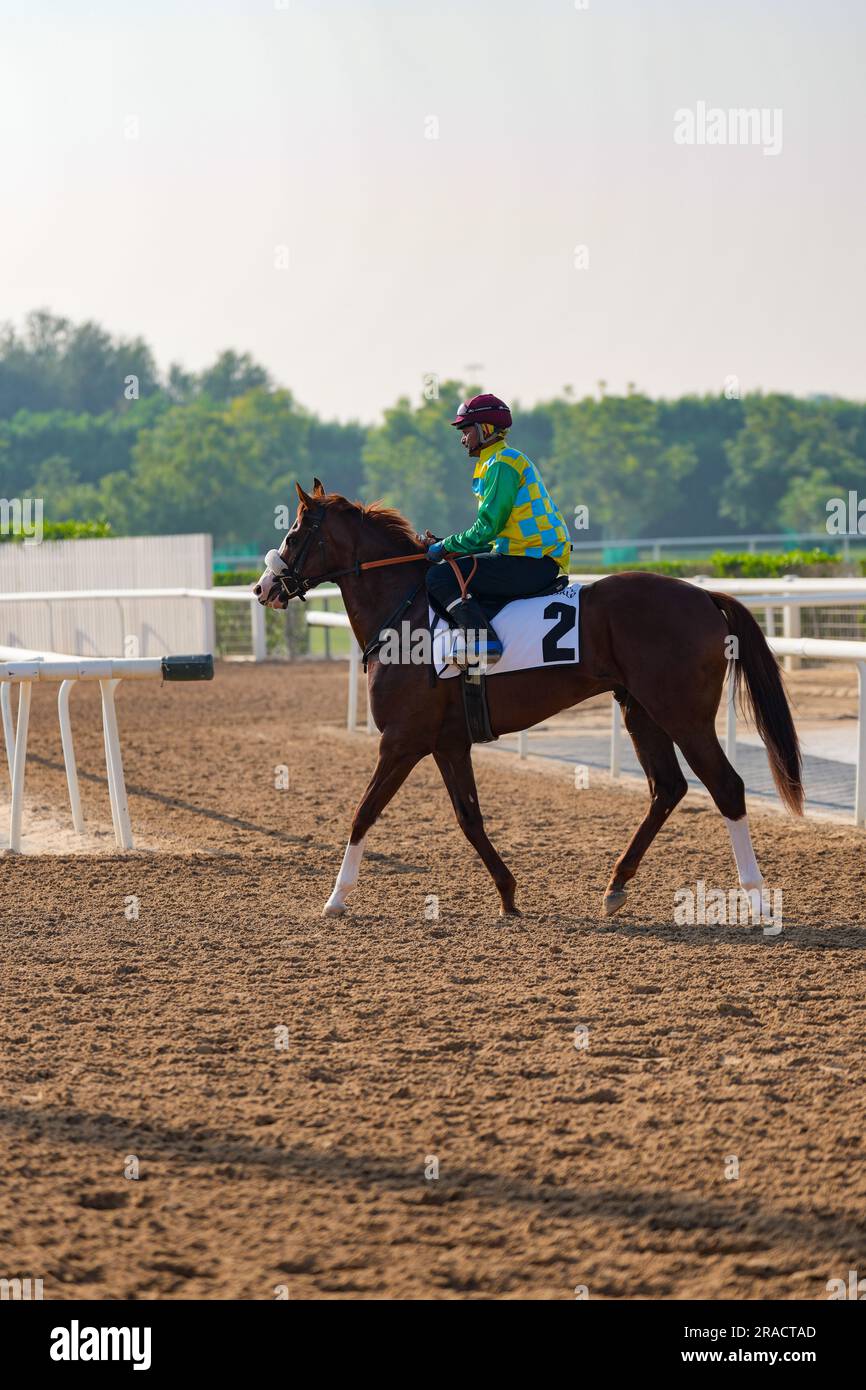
(652, 546)
(789, 596)
(773, 540)
(21, 667)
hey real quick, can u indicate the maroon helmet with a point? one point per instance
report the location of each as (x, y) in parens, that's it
(484, 410)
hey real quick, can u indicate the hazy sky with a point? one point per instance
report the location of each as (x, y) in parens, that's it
(304, 124)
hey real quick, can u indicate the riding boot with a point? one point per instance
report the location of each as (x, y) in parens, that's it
(475, 644)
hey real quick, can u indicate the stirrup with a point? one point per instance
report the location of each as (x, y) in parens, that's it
(474, 651)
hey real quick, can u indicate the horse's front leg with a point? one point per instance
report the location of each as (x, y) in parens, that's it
(459, 777)
(396, 761)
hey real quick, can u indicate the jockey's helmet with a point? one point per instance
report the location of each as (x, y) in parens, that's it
(483, 410)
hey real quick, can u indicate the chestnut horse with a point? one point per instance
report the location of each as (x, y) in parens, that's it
(659, 644)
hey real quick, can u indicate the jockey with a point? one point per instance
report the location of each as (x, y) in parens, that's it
(521, 536)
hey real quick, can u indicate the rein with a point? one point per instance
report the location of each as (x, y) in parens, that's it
(389, 560)
(285, 574)
(464, 583)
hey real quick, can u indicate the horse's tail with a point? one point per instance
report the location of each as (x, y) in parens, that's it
(767, 698)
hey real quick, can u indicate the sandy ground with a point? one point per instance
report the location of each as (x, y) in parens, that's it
(285, 1086)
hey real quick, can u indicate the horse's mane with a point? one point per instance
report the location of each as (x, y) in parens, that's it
(388, 520)
(392, 522)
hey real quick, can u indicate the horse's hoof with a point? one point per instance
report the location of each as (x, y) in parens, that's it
(510, 911)
(334, 909)
(614, 901)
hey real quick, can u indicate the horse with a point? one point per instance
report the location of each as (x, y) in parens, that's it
(662, 646)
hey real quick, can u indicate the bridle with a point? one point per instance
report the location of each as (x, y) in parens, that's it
(290, 574)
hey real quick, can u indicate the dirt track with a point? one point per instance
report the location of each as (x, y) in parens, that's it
(409, 1039)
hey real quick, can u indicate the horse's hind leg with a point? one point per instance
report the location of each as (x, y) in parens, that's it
(705, 756)
(657, 757)
(459, 777)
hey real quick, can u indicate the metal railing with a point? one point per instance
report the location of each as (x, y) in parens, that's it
(774, 540)
(795, 597)
(22, 667)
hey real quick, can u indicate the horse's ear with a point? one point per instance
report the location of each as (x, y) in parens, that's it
(318, 489)
(307, 501)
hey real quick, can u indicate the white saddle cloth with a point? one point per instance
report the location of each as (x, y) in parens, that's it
(533, 631)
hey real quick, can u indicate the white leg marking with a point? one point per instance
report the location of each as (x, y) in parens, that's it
(346, 879)
(741, 842)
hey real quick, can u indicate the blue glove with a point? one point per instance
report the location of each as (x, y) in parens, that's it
(436, 551)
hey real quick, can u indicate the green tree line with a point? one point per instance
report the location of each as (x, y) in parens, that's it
(90, 424)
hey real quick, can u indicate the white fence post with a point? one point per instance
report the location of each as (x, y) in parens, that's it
(8, 726)
(114, 767)
(791, 628)
(522, 743)
(63, 695)
(354, 662)
(327, 632)
(860, 791)
(260, 641)
(25, 690)
(615, 730)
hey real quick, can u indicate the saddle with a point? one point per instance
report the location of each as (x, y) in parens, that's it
(493, 605)
(474, 683)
